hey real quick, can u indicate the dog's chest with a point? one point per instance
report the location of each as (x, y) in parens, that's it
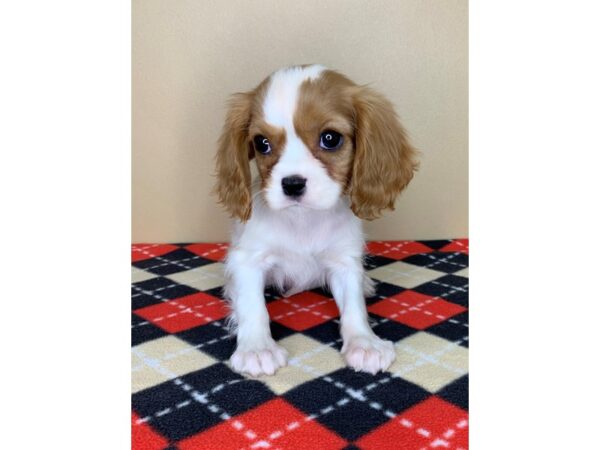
(301, 255)
(295, 271)
(296, 248)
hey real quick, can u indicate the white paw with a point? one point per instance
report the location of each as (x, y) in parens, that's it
(368, 353)
(259, 359)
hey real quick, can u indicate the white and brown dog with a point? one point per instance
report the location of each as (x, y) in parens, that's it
(329, 153)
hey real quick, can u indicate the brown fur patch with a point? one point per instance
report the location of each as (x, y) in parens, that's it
(236, 150)
(276, 137)
(325, 103)
(384, 161)
(376, 162)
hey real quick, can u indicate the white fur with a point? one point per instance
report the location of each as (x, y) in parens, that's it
(298, 245)
(281, 99)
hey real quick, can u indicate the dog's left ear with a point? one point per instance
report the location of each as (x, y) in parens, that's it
(384, 161)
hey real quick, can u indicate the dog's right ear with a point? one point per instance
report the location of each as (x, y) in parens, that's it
(233, 158)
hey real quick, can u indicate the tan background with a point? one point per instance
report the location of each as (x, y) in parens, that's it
(189, 55)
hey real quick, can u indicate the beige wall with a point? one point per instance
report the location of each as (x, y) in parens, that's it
(189, 55)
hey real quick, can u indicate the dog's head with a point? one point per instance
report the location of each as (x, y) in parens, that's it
(315, 136)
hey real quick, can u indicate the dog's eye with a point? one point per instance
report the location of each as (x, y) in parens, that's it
(261, 144)
(331, 140)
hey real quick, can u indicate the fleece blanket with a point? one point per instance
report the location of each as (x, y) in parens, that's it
(185, 395)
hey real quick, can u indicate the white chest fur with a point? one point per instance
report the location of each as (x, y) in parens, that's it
(295, 247)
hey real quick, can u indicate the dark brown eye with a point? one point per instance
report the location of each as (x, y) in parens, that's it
(262, 145)
(331, 140)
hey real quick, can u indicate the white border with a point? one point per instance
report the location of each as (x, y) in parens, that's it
(534, 134)
(65, 183)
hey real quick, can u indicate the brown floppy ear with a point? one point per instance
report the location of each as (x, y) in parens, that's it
(384, 161)
(233, 159)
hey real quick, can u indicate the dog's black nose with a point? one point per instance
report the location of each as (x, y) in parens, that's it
(293, 186)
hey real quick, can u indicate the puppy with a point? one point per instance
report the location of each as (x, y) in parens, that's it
(328, 153)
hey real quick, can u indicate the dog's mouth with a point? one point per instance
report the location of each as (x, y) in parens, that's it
(295, 204)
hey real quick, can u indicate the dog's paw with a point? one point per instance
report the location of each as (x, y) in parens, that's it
(368, 353)
(259, 360)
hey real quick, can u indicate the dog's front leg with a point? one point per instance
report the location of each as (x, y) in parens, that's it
(256, 352)
(362, 349)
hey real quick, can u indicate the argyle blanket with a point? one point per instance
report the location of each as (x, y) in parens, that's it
(185, 396)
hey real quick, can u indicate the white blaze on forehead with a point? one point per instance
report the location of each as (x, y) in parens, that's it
(282, 94)
(279, 107)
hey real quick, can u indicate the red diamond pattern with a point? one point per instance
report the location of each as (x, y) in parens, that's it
(303, 311)
(457, 245)
(185, 312)
(398, 249)
(275, 424)
(140, 252)
(215, 252)
(416, 310)
(433, 423)
(144, 437)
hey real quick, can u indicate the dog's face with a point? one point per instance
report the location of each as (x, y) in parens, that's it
(315, 136)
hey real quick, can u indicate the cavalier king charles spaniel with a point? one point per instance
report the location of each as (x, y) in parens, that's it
(329, 153)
